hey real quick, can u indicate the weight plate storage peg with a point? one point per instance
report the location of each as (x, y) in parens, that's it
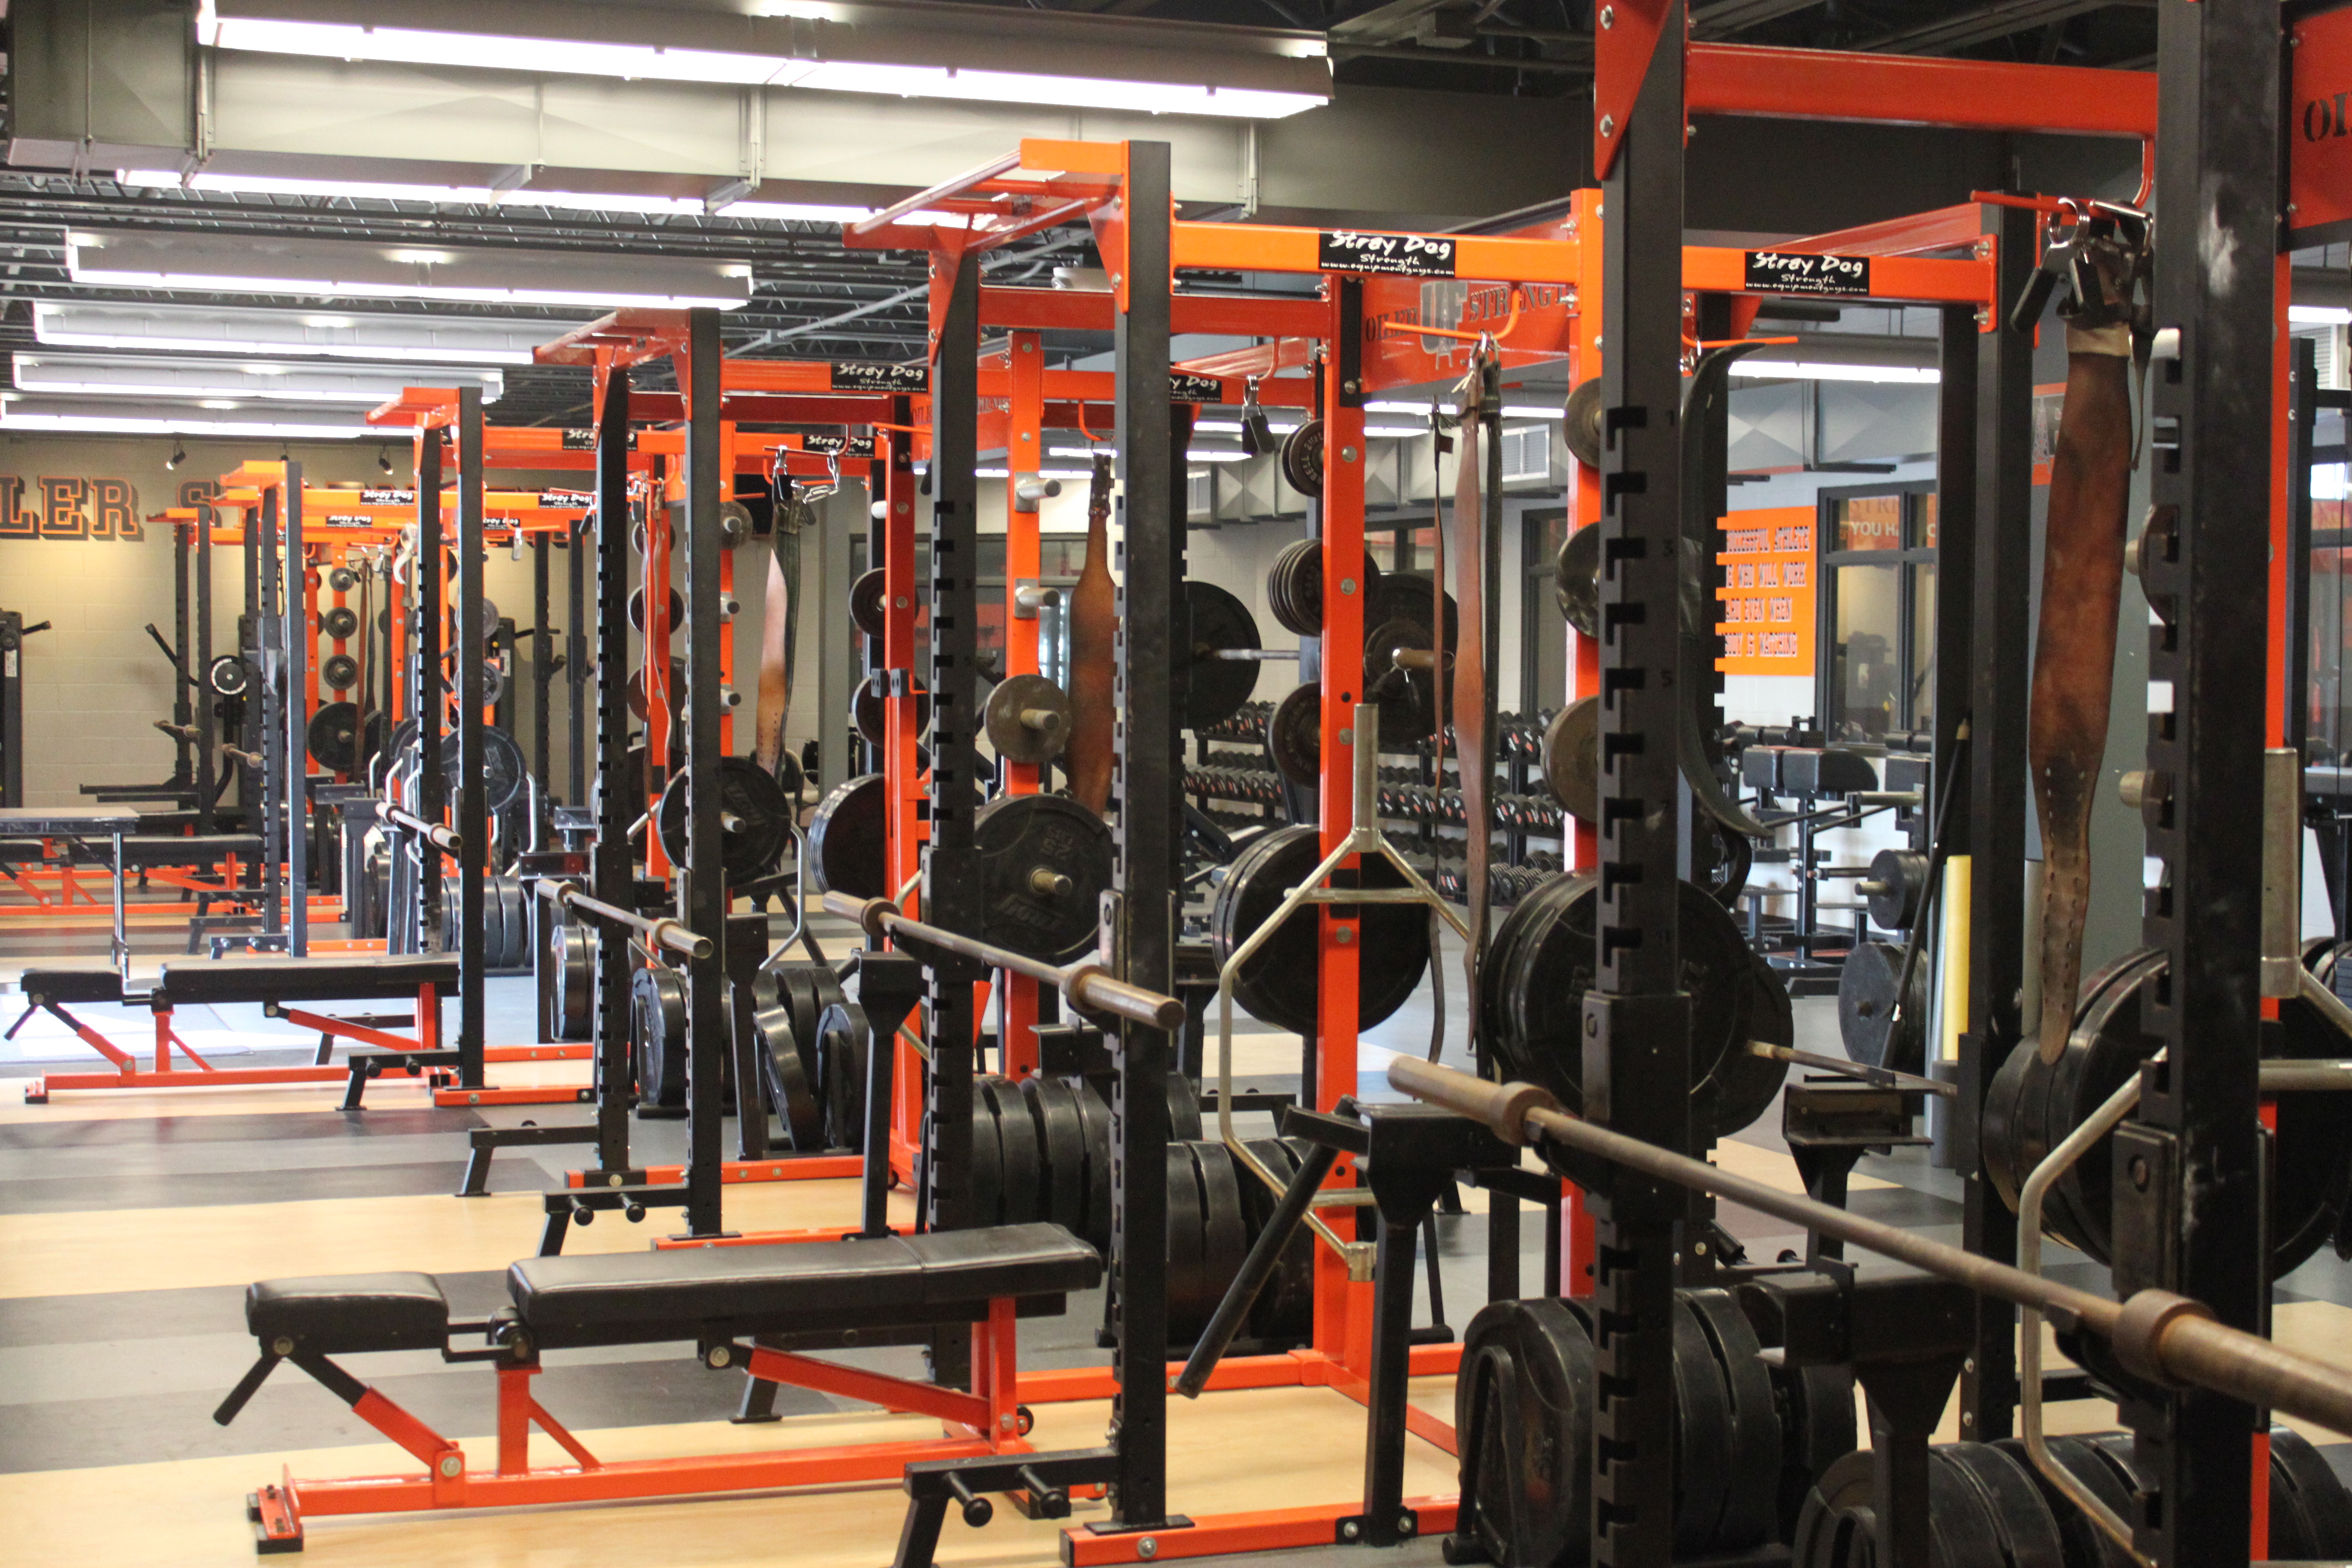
(657, 1038)
(755, 819)
(844, 839)
(1027, 719)
(1045, 862)
(1866, 1020)
(1302, 459)
(867, 602)
(868, 710)
(1294, 736)
(1214, 688)
(1571, 759)
(341, 672)
(1581, 428)
(1294, 585)
(504, 772)
(637, 609)
(1279, 984)
(334, 737)
(1539, 965)
(1576, 578)
(1896, 886)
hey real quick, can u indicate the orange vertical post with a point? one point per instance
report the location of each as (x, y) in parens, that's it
(1342, 1311)
(1024, 452)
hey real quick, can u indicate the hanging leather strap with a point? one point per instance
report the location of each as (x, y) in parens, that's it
(1473, 740)
(779, 635)
(2074, 649)
(1094, 649)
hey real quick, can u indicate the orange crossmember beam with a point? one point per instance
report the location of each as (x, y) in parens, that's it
(1268, 1529)
(1912, 89)
(180, 1078)
(798, 1168)
(539, 1094)
(840, 1465)
(899, 1394)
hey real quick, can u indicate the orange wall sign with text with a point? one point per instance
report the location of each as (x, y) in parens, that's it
(1768, 560)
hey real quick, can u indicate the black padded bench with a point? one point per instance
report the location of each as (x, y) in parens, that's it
(338, 978)
(62, 984)
(832, 1293)
(752, 1308)
(818, 1293)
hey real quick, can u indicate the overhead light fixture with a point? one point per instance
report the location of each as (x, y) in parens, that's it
(1394, 432)
(1216, 454)
(383, 459)
(245, 329)
(219, 416)
(2317, 316)
(881, 47)
(179, 455)
(240, 264)
(1517, 411)
(1816, 369)
(232, 182)
(141, 375)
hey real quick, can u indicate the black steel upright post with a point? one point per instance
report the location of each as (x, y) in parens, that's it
(1956, 555)
(1999, 624)
(542, 637)
(184, 690)
(432, 710)
(297, 721)
(1150, 806)
(272, 636)
(612, 873)
(702, 896)
(473, 802)
(1637, 1018)
(2194, 1146)
(950, 877)
(200, 664)
(584, 537)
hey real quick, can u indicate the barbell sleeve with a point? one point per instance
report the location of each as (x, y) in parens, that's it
(660, 929)
(2163, 1337)
(1085, 983)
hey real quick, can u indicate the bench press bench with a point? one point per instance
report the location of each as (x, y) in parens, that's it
(277, 982)
(758, 1309)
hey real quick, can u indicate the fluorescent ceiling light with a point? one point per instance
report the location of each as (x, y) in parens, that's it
(135, 375)
(1219, 427)
(237, 264)
(1215, 455)
(1813, 370)
(307, 333)
(229, 181)
(1076, 451)
(1229, 72)
(1515, 411)
(1392, 406)
(217, 417)
(1394, 432)
(2317, 316)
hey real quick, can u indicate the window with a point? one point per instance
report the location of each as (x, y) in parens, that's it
(1200, 492)
(1527, 453)
(1877, 610)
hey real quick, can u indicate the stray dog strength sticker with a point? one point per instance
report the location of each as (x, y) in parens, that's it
(1395, 255)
